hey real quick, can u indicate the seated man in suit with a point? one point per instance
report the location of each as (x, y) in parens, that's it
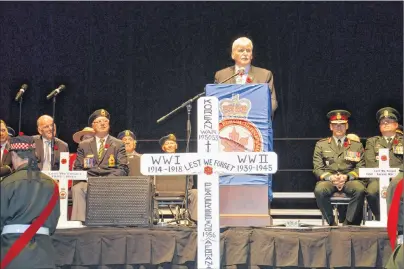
(101, 156)
(43, 148)
(5, 156)
(336, 162)
(169, 144)
(242, 54)
(129, 140)
(388, 124)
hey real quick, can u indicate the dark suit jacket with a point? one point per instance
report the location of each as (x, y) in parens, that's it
(5, 163)
(60, 146)
(101, 167)
(258, 75)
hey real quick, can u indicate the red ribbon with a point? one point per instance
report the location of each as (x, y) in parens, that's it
(392, 220)
(23, 240)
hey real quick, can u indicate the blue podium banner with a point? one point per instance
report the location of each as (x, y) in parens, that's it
(244, 125)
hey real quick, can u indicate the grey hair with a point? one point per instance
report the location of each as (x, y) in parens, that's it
(242, 41)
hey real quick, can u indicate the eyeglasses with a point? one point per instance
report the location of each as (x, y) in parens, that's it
(384, 122)
(101, 121)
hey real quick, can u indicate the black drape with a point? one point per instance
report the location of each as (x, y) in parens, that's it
(139, 60)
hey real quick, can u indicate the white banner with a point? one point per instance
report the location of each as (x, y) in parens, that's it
(378, 172)
(71, 175)
(220, 163)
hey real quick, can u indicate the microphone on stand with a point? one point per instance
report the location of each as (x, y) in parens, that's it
(55, 92)
(239, 73)
(24, 87)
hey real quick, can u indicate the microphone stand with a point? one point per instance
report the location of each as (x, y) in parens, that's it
(53, 133)
(188, 105)
(20, 116)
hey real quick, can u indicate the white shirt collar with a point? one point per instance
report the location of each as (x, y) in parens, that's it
(387, 137)
(246, 69)
(342, 139)
(97, 139)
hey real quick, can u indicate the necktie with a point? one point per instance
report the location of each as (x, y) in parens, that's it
(47, 162)
(389, 140)
(101, 149)
(339, 144)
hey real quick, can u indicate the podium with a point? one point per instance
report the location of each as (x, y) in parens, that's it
(244, 126)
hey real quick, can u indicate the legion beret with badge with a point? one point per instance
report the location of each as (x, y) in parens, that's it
(96, 114)
(167, 137)
(387, 113)
(10, 131)
(22, 143)
(338, 116)
(79, 135)
(126, 133)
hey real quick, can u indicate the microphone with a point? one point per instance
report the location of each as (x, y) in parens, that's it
(24, 87)
(239, 73)
(55, 92)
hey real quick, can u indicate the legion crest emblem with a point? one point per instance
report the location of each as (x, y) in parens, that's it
(237, 133)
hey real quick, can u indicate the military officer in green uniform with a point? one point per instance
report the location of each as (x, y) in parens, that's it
(389, 139)
(24, 195)
(336, 162)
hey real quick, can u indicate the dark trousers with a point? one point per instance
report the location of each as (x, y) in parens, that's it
(354, 189)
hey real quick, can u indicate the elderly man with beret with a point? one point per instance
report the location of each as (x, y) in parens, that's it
(101, 156)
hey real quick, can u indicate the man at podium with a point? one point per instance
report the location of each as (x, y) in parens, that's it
(242, 55)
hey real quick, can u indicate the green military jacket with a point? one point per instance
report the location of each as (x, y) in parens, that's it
(329, 160)
(375, 143)
(21, 202)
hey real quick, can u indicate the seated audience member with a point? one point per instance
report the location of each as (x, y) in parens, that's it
(336, 162)
(129, 139)
(169, 144)
(101, 156)
(6, 166)
(389, 139)
(43, 148)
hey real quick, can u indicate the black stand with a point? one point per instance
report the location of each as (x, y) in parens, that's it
(53, 134)
(188, 105)
(20, 117)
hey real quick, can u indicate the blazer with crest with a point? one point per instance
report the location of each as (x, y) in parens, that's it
(329, 160)
(113, 162)
(257, 75)
(60, 146)
(5, 162)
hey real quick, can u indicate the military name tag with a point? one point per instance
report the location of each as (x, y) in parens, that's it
(352, 156)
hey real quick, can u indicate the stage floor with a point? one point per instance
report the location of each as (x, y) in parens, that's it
(176, 247)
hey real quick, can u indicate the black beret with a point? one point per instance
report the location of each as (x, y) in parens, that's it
(126, 133)
(96, 114)
(167, 137)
